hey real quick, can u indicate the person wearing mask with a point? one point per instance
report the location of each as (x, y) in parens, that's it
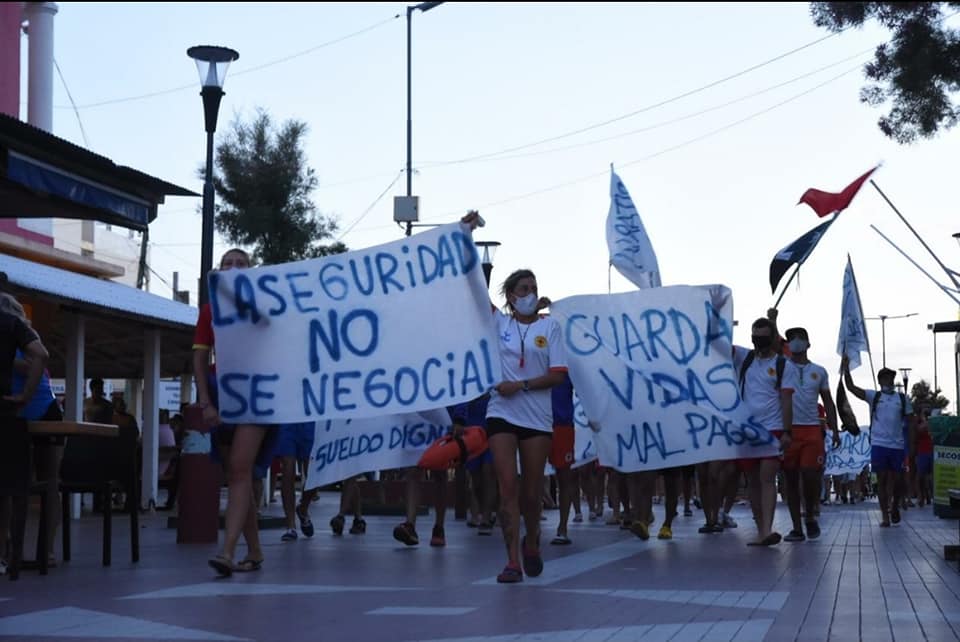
(761, 384)
(804, 459)
(888, 409)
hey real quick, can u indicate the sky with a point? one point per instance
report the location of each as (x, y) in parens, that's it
(715, 164)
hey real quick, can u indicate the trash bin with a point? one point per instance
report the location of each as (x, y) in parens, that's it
(198, 519)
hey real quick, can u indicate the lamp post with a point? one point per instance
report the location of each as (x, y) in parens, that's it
(212, 63)
(883, 329)
(489, 249)
(422, 7)
(935, 384)
(905, 372)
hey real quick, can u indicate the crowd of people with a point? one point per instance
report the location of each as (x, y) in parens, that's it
(528, 418)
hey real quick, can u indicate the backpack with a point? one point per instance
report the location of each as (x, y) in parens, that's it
(876, 402)
(781, 364)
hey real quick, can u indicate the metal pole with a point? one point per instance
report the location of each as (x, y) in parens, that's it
(936, 386)
(883, 336)
(409, 118)
(206, 242)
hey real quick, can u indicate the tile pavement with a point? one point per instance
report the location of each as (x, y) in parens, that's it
(857, 582)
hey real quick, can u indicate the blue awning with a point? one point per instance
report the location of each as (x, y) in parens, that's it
(44, 178)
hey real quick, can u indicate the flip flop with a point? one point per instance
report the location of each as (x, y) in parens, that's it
(248, 565)
(772, 539)
(561, 540)
(222, 565)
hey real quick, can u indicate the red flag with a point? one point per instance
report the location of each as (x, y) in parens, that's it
(825, 203)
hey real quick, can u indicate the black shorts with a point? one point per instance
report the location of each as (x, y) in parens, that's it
(497, 426)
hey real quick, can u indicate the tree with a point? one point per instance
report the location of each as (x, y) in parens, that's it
(919, 69)
(922, 395)
(264, 187)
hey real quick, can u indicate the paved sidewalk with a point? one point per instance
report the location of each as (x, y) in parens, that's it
(857, 582)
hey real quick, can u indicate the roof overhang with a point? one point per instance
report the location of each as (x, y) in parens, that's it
(44, 176)
(117, 320)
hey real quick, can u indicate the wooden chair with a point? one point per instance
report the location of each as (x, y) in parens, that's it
(16, 482)
(102, 465)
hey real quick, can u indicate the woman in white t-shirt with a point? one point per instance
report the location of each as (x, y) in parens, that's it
(520, 416)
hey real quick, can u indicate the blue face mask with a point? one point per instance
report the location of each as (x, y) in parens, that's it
(798, 345)
(886, 389)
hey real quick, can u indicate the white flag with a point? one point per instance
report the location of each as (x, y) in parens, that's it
(630, 249)
(853, 331)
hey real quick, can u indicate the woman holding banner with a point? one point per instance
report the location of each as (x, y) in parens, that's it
(240, 446)
(519, 415)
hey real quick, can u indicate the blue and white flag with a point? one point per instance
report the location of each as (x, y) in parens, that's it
(853, 331)
(630, 249)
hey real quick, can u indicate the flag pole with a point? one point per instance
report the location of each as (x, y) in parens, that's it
(609, 282)
(950, 273)
(948, 291)
(784, 290)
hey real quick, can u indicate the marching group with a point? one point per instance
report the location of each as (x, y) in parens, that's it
(528, 418)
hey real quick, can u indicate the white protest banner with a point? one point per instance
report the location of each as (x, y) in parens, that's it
(396, 328)
(852, 455)
(344, 448)
(853, 331)
(584, 448)
(653, 369)
(630, 249)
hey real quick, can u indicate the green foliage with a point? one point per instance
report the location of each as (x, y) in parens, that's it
(918, 69)
(264, 186)
(921, 395)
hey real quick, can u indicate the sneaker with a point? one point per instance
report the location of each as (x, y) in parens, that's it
(306, 526)
(794, 536)
(665, 532)
(510, 575)
(438, 538)
(336, 524)
(640, 529)
(706, 528)
(406, 533)
(485, 528)
(290, 535)
(687, 512)
(727, 522)
(813, 530)
(895, 515)
(578, 518)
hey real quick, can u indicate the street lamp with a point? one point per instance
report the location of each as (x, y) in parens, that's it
(406, 208)
(935, 384)
(905, 372)
(486, 260)
(212, 63)
(883, 329)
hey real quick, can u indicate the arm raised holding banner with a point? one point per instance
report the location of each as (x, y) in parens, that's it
(520, 415)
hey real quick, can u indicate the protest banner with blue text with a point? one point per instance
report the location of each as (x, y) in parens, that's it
(344, 448)
(654, 372)
(396, 328)
(852, 455)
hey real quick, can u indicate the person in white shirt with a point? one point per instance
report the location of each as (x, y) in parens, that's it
(805, 457)
(760, 372)
(888, 412)
(520, 416)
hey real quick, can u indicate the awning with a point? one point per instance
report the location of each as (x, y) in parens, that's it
(44, 176)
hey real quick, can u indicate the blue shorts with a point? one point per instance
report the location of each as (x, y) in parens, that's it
(924, 464)
(890, 459)
(295, 440)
